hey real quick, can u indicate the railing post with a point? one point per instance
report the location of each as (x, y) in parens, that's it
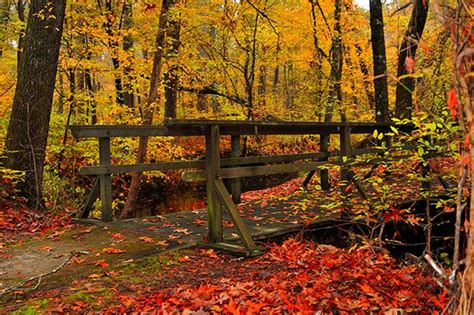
(235, 184)
(345, 142)
(324, 148)
(214, 208)
(105, 180)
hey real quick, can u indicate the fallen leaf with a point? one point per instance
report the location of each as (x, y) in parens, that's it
(117, 236)
(46, 249)
(184, 259)
(146, 239)
(112, 250)
(101, 263)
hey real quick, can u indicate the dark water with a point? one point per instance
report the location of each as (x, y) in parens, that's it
(171, 201)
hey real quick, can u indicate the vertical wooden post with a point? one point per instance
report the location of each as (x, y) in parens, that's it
(345, 142)
(105, 180)
(214, 208)
(324, 147)
(235, 184)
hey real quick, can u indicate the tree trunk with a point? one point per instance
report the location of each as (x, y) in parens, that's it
(407, 51)
(149, 110)
(380, 61)
(27, 133)
(262, 86)
(365, 72)
(171, 78)
(4, 20)
(335, 93)
(113, 44)
(21, 16)
(128, 95)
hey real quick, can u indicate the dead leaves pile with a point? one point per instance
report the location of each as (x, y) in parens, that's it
(297, 276)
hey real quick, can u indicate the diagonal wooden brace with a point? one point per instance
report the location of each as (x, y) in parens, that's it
(242, 229)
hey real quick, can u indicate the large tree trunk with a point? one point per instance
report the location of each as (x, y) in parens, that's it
(335, 93)
(29, 122)
(128, 95)
(380, 61)
(407, 52)
(171, 76)
(20, 6)
(149, 110)
(114, 45)
(4, 20)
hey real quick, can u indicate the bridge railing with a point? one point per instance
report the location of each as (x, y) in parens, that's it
(213, 169)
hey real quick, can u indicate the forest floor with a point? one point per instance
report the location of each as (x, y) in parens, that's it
(153, 264)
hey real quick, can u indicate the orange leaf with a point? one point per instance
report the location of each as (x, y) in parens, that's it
(117, 236)
(101, 263)
(409, 64)
(184, 259)
(146, 239)
(46, 249)
(112, 250)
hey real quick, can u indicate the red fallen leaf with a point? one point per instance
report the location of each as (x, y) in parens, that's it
(85, 231)
(101, 263)
(367, 289)
(117, 236)
(112, 250)
(467, 141)
(228, 224)
(211, 253)
(46, 249)
(146, 239)
(199, 221)
(184, 259)
(152, 228)
(409, 64)
(381, 169)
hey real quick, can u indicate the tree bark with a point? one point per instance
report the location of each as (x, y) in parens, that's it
(113, 44)
(28, 128)
(406, 84)
(4, 20)
(149, 110)
(128, 95)
(21, 16)
(171, 78)
(380, 61)
(335, 93)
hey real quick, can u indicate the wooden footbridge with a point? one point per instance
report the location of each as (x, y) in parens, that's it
(214, 169)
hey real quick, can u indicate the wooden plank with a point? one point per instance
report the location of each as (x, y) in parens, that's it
(242, 229)
(115, 169)
(249, 171)
(105, 180)
(236, 182)
(198, 127)
(91, 199)
(345, 143)
(161, 166)
(324, 173)
(214, 209)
